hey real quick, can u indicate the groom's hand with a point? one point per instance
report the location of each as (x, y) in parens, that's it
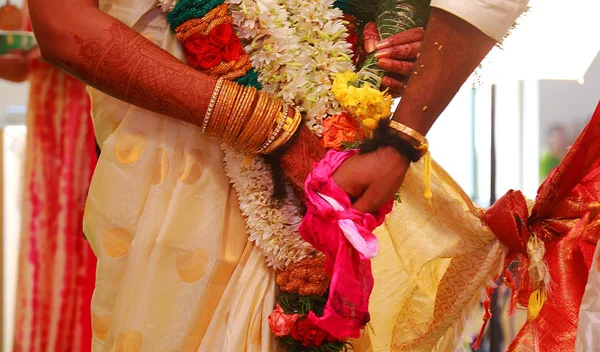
(372, 179)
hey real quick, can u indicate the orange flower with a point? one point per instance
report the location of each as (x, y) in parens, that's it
(339, 129)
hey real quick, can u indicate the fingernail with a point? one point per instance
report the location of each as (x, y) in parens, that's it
(382, 54)
(385, 64)
(385, 81)
(382, 45)
(370, 45)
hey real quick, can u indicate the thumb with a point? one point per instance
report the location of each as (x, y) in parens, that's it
(371, 200)
(370, 37)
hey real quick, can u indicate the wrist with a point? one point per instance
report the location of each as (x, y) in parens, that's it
(385, 137)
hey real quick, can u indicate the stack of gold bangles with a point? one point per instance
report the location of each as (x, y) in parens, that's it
(250, 121)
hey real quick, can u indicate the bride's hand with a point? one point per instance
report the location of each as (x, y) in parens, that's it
(372, 179)
(395, 54)
(298, 160)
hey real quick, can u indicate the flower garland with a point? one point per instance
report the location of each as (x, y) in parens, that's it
(273, 229)
(296, 46)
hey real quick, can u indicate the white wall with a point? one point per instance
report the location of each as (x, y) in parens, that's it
(568, 102)
(13, 94)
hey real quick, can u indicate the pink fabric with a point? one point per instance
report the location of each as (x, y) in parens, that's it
(345, 236)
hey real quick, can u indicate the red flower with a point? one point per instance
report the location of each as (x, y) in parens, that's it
(233, 50)
(280, 323)
(206, 58)
(196, 43)
(310, 335)
(221, 35)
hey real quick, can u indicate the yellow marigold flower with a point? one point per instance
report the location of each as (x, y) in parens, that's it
(367, 104)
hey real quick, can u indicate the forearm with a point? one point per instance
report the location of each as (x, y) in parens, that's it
(111, 57)
(451, 50)
(14, 68)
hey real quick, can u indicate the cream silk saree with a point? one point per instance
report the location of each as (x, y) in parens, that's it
(177, 273)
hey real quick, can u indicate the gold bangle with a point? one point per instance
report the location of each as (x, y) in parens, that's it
(289, 132)
(289, 129)
(410, 132)
(282, 117)
(249, 129)
(280, 138)
(260, 126)
(211, 104)
(266, 125)
(225, 103)
(240, 113)
(217, 112)
(217, 115)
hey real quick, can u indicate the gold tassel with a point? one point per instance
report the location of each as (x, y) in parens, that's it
(427, 171)
(539, 276)
(536, 302)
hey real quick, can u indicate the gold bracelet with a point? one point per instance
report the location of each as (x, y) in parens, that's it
(211, 104)
(266, 124)
(240, 114)
(282, 117)
(260, 124)
(244, 114)
(423, 144)
(280, 138)
(250, 128)
(225, 102)
(217, 113)
(289, 129)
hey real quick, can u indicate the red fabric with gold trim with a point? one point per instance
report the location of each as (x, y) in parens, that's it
(564, 217)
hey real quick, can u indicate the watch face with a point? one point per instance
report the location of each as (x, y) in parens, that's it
(16, 40)
(11, 18)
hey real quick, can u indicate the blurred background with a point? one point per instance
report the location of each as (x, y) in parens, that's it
(506, 129)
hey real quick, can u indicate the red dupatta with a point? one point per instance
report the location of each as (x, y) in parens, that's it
(565, 217)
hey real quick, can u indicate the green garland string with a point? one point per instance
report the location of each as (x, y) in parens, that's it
(250, 80)
(291, 345)
(293, 303)
(186, 10)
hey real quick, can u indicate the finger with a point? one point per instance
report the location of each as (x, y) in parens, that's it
(370, 37)
(393, 84)
(396, 66)
(373, 198)
(409, 36)
(405, 51)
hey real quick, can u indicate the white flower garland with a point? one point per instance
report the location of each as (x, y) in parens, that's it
(296, 46)
(273, 229)
(167, 5)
